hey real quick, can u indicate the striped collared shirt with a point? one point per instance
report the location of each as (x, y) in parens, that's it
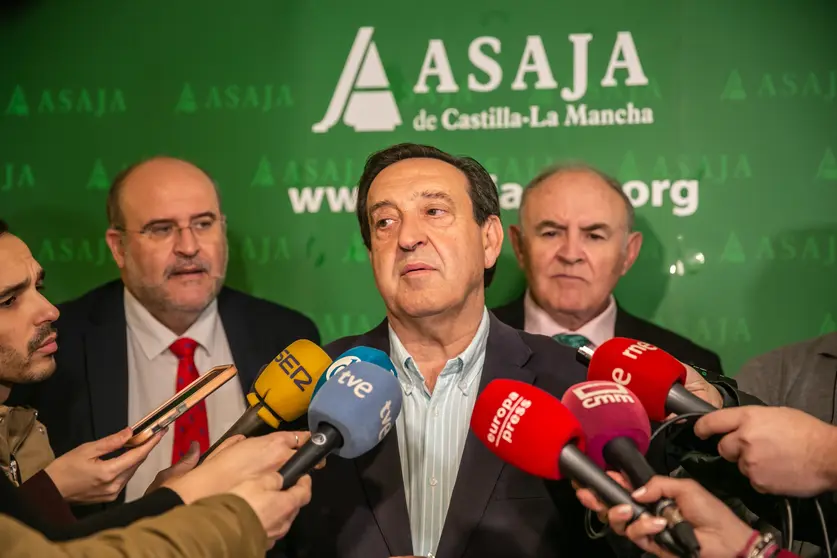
(432, 429)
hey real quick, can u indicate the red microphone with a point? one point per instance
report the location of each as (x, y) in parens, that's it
(530, 429)
(652, 374)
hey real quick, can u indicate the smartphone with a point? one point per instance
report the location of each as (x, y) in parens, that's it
(182, 401)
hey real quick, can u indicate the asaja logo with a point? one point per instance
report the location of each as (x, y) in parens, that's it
(363, 97)
(95, 102)
(15, 177)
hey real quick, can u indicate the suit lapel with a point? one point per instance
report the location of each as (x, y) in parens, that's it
(479, 470)
(380, 473)
(242, 347)
(106, 347)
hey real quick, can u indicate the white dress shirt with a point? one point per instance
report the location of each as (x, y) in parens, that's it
(152, 377)
(598, 330)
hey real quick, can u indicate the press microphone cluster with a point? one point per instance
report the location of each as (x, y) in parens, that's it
(281, 393)
(535, 432)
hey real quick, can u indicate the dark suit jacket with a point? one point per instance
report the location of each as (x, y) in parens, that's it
(359, 510)
(87, 397)
(632, 327)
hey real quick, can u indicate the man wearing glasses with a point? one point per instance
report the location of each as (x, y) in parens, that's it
(129, 345)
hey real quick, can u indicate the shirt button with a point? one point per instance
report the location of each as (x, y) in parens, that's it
(436, 413)
(433, 481)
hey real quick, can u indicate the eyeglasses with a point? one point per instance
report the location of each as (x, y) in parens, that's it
(203, 228)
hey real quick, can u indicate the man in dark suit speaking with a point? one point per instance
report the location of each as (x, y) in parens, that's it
(574, 240)
(431, 222)
(129, 345)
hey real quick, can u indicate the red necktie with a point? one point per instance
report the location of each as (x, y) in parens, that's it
(193, 425)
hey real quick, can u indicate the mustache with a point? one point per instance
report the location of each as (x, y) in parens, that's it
(190, 265)
(40, 337)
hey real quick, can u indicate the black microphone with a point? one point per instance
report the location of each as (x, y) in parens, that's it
(350, 415)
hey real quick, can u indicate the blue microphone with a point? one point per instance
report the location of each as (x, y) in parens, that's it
(349, 416)
(355, 354)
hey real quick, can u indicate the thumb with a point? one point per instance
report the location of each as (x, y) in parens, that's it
(111, 443)
(190, 458)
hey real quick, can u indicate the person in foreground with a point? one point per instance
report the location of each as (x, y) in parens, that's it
(129, 345)
(235, 506)
(431, 223)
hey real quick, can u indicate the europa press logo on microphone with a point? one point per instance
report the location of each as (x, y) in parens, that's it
(593, 394)
(506, 417)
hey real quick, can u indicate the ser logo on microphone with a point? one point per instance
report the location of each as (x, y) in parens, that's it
(291, 367)
(506, 417)
(593, 394)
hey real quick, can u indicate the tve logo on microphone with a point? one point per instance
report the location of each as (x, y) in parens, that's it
(360, 387)
(593, 394)
(506, 417)
(339, 364)
(386, 420)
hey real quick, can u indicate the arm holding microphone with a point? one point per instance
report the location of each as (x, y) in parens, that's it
(721, 534)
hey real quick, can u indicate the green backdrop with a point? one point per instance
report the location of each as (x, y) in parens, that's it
(725, 124)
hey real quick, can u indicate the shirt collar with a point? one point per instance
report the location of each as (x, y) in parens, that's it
(154, 338)
(410, 376)
(598, 330)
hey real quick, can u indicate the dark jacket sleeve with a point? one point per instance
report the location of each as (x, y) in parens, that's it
(47, 500)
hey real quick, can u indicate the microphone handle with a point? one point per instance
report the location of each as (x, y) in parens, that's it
(324, 441)
(575, 464)
(249, 424)
(623, 454)
(681, 401)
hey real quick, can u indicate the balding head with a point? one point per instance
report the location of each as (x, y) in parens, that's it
(150, 170)
(168, 237)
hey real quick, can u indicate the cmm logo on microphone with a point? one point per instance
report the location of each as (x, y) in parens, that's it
(507, 417)
(594, 394)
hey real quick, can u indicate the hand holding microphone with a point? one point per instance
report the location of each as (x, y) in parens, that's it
(351, 413)
(663, 384)
(719, 531)
(532, 430)
(618, 435)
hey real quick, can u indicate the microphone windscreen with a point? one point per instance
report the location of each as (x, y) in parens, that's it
(355, 354)
(525, 426)
(648, 371)
(607, 410)
(286, 385)
(362, 403)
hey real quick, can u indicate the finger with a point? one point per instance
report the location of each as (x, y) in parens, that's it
(720, 422)
(730, 447)
(663, 487)
(618, 517)
(229, 442)
(110, 443)
(589, 500)
(320, 465)
(304, 436)
(133, 457)
(189, 459)
(620, 478)
(641, 532)
(301, 492)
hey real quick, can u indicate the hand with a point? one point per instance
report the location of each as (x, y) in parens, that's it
(275, 508)
(237, 462)
(589, 500)
(186, 464)
(781, 450)
(718, 530)
(697, 385)
(82, 477)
